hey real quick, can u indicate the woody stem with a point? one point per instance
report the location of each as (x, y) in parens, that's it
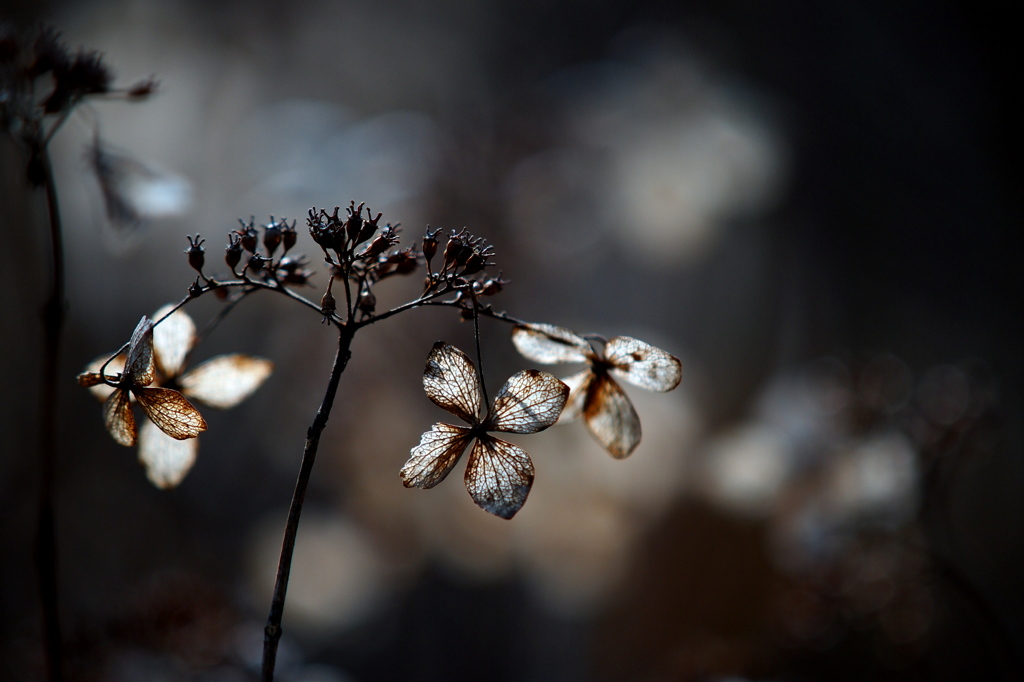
(272, 631)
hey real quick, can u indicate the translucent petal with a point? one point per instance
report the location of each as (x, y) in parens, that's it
(431, 461)
(140, 354)
(548, 344)
(611, 418)
(578, 384)
(169, 410)
(118, 418)
(498, 476)
(450, 381)
(642, 364)
(530, 401)
(166, 459)
(172, 340)
(226, 380)
(99, 389)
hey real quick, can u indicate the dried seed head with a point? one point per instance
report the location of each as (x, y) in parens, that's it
(288, 235)
(327, 302)
(430, 244)
(249, 236)
(271, 236)
(233, 252)
(195, 253)
(294, 270)
(354, 223)
(257, 262)
(367, 301)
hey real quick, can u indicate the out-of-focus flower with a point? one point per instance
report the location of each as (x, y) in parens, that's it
(133, 191)
(220, 382)
(165, 407)
(499, 474)
(595, 395)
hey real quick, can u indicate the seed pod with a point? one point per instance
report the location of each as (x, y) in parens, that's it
(271, 236)
(233, 253)
(288, 235)
(367, 301)
(195, 253)
(327, 302)
(430, 245)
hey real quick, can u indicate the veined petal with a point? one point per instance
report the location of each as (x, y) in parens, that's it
(139, 364)
(118, 417)
(611, 418)
(548, 344)
(530, 401)
(166, 459)
(450, 381)
(92, 380)
(431, 461)
(579, 385)
(171, 411)
(498, 476)
(172, 340)
(226, 380)
(642, 364)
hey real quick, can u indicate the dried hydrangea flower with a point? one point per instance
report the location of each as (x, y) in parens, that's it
(595, 394)
(498, 474)
(165, 407)
(220, 382)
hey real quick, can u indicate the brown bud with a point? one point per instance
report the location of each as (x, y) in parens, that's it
(195, 253)
(367, 301)
(271, 236)
(233, 253)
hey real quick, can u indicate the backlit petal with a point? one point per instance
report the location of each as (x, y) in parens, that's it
(118, 418)
(530, 401)
(578, 385)
(611, 418)
(94, 383)
(548, 344)
(171, 411)
(642, 364)
(432, 460)
(450, 381)
(172, 340)
(498, 476)
(140, 354)
(226, 380)
(166, 459)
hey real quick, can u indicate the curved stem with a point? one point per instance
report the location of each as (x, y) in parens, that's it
(272, 631)
(46, 534)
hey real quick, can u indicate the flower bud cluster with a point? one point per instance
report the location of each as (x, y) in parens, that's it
(462, 264)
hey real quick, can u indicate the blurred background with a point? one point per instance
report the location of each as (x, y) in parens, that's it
(815, 205)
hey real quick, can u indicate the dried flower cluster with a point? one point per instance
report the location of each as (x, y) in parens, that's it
(41, 82)
(360, 252)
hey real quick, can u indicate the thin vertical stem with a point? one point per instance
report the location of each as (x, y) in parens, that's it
(46, 533)
(479, 355)
(272, 631)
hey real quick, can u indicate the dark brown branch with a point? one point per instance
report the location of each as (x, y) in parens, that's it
(272, 632)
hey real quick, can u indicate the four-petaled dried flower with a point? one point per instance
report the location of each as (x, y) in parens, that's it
(220, 382)
(595, 395)
(498, 474)
(165, 407)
